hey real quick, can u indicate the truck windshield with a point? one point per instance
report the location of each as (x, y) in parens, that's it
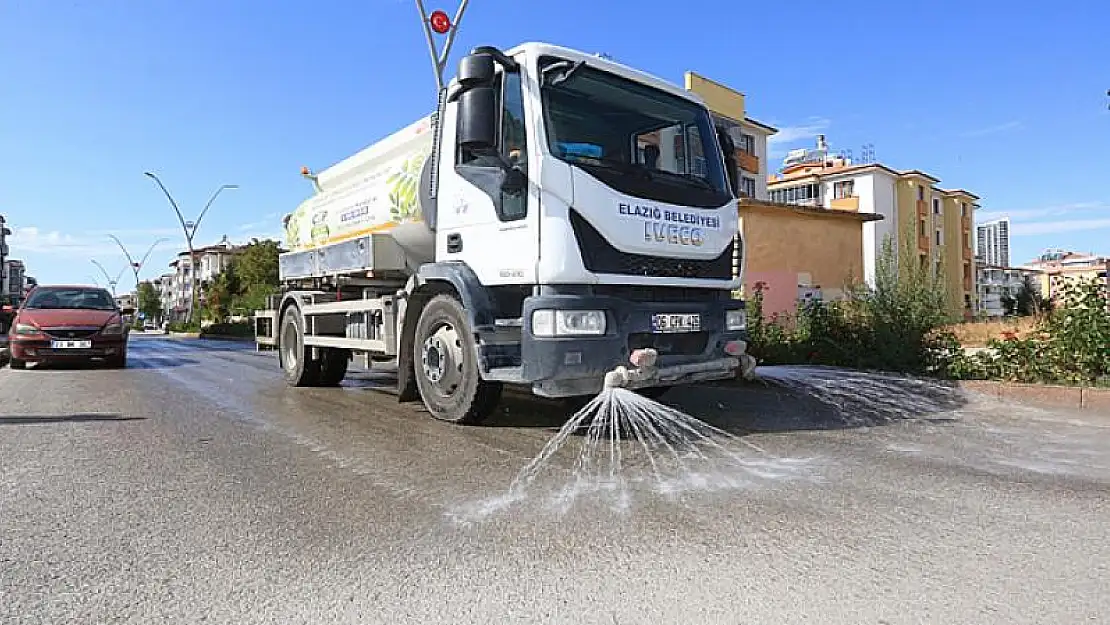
(636, 139)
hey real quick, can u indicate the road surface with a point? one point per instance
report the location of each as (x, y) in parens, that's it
(195, 487)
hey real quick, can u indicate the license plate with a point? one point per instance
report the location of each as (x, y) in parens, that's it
(665, 323)
(70, 344)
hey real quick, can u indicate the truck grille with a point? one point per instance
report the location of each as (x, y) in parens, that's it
(600, 257)
(686, 344)
(669, 294)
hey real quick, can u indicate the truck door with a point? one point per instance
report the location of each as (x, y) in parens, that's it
(492, 229)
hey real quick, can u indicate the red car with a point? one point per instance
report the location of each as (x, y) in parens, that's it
(69, 324)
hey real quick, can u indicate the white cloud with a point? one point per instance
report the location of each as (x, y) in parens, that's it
(780, 143)
(1043, 212)
(991, 130)
(1057, 227)
(267, 222)
(95, 243)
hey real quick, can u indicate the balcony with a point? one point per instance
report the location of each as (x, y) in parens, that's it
(747, 162)
(845, 204)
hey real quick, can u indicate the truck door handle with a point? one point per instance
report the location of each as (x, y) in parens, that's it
(454, 243)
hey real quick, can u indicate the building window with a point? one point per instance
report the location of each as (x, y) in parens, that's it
(921, 224)
(747, 186)
(746, 143)
(963, 209)
(936, 206)
(940, 238)
(920, 193)
(844, 189)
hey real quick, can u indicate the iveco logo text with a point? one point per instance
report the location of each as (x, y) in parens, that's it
(673, 227)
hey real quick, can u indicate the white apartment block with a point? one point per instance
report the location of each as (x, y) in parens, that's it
(994, 284)
(992, 242)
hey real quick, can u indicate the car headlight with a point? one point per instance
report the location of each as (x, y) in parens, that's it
(568, 322)
(112, 329)
(26, 329)
(736, 320)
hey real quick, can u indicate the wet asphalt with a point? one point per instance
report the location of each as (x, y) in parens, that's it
(195, 487)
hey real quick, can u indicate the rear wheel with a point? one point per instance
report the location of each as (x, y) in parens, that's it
(333, 366)
(296, 359)
(446, 364)
(16, 363)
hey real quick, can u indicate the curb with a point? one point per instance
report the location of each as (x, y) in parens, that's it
(220, 337)
(1084, 398)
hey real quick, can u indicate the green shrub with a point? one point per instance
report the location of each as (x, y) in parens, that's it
(1071, 345)
(892, 327)
(239, 330)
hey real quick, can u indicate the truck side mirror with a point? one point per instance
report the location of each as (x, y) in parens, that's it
(728, 149)
(477, 121)
(475, 70)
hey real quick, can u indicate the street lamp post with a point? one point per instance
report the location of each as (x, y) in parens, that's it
(111, 283)
(190, 230)
(136, 267)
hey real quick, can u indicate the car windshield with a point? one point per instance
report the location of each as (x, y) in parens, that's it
(637, 139)
(71, 298)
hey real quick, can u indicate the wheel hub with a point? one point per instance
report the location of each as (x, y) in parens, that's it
(441, 359)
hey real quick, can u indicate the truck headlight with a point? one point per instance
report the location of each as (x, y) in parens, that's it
(568, 322)
(26, 329)
(736, 320)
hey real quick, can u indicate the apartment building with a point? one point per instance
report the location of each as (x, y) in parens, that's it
(729, 111)
(175, 287)
(1056, 268)
(992, 242)
(926, 224)
(13, 281)
(791, 253)
(995, 283)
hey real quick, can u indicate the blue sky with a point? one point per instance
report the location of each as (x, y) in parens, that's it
(1007, 100)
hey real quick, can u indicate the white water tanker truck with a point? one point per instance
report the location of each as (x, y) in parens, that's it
(562, 222)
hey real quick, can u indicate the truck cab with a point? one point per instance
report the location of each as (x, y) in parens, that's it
(585, 235)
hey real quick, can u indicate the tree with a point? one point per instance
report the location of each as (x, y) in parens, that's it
(1028, 300)
(150, 304)
(257, 270)
(220, 293)
(257, 264)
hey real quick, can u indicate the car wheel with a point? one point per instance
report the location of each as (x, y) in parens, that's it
(118, 362)
(16, 363)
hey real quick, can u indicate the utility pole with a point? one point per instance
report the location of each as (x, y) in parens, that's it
(136, 267)
(190, 230)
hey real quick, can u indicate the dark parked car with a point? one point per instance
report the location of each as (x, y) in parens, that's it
(67, 324)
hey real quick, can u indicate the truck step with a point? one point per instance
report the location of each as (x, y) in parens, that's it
(505, 374)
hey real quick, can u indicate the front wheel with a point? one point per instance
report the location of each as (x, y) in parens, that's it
(16, 363)
(446, 364)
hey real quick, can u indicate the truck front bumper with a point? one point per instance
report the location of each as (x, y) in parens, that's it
(572, 365)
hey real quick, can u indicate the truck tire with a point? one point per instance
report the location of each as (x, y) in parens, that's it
(446, 363)
(296, 359)
(333, 366)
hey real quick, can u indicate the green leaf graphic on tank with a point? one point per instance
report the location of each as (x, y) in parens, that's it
(404, 205)
(320, 231)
